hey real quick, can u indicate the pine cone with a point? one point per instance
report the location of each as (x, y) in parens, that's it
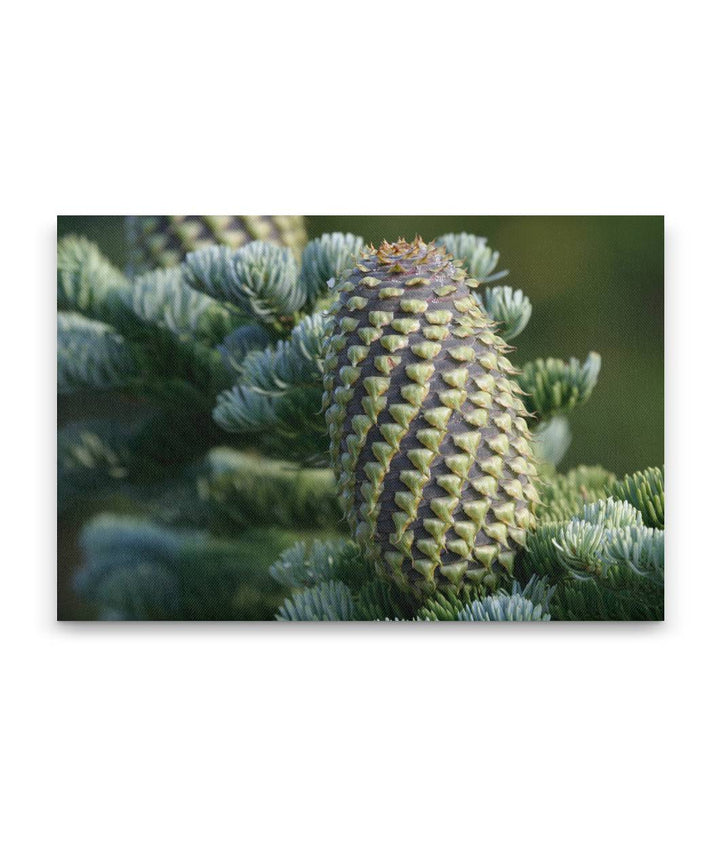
(427, 428)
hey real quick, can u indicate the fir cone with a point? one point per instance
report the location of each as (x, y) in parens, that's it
(427, 428)
(164, 241)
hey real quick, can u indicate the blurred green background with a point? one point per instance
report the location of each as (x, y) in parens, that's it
(596, 283)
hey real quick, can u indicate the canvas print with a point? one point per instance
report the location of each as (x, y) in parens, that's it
(337, 418)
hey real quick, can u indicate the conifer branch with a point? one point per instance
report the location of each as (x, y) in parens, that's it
(554, 387)
(334, 559)
(279, 394)
(86, 281)
(91, 355)
(510, 308)
(259, 280)
(503, 607)
(646, 491)
(162, 298)
(327, 601)
(242, 341)
(480, 261)
(138, 570)
(323, 260)
(551, 440)
(247, 489)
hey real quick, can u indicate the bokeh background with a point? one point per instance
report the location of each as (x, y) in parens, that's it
(596, 283)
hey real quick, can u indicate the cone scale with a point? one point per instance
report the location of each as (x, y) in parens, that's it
(427, 427)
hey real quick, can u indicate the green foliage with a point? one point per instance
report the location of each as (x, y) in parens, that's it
(138, 570)
(646, 491)
(90, 458)
(480, 261)
(86, 281)
(528, 603)
(247, 489)
(278, 396)
(327, 601)
(259, 280)
(606, 564)
(446, 605)
(164, 299)
(503, 607)
(509, 307)
(323, 260)
(333, 559)
(564, 495)
(551, 440)
(637, 548)
(611, 513)
(378, 600)
(151, 337)
(241, 342)
(91, 355)
(163, 242)
(554, 387)
(579, 548)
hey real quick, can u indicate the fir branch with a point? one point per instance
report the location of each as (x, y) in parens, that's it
(241, 342)
(503, 607)
(260, 280)
(334, 559)
(579, 548)
(646, 491)
(139, 570)
(636, 548)
(551, 440)
(445, 605)
(611, 513)
(246, 489)
(327, 601)
(595, 601)
(473, 250)
(378, 600)
(511, 309)
(554, 387)
(91, 355)
(323, 260)
(279, 394)
(164, 299)
(448, 605)
(564, 495)
(86, 281)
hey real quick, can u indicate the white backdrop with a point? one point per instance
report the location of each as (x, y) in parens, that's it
(359, 739)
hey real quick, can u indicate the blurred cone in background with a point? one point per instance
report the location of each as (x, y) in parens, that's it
(164, 241)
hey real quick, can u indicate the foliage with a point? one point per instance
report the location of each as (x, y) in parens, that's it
(327, 601)
(552, 439)
(554, 387)
(137, 569)
(646, 491)
(503, 607)
(91, 355)
(509, 307)
(248, 489)
(324, 259)
(278, 394)
(480, 261)
(259, 281)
